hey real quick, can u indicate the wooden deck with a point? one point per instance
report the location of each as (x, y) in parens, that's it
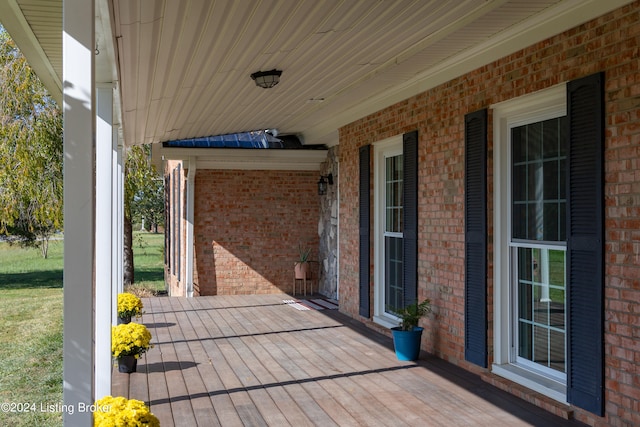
(256, 361)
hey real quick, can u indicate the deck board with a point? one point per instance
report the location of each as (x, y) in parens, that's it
(255, 361)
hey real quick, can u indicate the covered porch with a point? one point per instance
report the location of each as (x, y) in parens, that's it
(355, 75)
(256, 360)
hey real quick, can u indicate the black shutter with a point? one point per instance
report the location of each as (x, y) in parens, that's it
(585, 242)
(365, 219)
(475, 215)
(410, 216)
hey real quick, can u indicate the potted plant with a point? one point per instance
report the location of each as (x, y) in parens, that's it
(407, 336)
(128, 342)
(128, 305)
(119, 411)
(301, 268)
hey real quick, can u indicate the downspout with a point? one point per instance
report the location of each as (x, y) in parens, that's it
(191, 178)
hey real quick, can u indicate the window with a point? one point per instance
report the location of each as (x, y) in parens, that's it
(538, 245)
(395, 226)
(548, 242)
(388, 230)
(530, 241)
(393, 284)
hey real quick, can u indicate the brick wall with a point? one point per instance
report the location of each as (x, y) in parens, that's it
(610, 43)
(248, 226)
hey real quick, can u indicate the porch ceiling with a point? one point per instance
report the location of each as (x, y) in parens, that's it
(183, 67)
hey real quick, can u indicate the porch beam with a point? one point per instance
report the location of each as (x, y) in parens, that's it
(245, 158)
(79, 209)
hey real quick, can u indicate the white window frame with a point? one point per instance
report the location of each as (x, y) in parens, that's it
(513, 356)
(381, 150)
(539, 106)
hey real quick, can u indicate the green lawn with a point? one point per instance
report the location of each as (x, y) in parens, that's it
(148, 250)
(31, 332)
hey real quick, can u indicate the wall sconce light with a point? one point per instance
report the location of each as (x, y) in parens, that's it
(267, 79)
(322, 184)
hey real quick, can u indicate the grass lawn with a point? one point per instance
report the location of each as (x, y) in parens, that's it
(148, 260)
(31, 333)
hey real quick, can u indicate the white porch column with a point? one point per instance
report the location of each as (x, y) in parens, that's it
(104, 237)
(79, 208)
(117, 278)
(191, 186)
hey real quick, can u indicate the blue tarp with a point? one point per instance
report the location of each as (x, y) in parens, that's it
(253, 139)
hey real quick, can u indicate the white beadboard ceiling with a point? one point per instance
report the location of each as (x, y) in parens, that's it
(183, 67)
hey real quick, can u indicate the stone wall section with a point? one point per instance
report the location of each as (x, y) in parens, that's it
(328, 229)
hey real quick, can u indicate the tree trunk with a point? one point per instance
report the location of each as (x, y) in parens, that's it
(44, 247)
(128, 252)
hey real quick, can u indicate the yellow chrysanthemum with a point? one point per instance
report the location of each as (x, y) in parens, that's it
(131, 339)
(129, 305)
(121, 412)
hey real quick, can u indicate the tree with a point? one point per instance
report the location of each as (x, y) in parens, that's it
(147, 207)
(142, 188)
(31, 152)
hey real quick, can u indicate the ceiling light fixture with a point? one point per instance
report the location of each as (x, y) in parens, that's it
(267, 79)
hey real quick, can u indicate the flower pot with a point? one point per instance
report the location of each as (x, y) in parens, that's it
(127, 364)
(301, 270)
(407, 343)
(124, 320)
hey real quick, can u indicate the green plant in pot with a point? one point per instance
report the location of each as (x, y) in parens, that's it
(302, 265)
(129, 341)
(407, 336)
(128, 305)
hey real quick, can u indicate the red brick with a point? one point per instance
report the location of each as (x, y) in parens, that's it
(249, 225)
(610, 44)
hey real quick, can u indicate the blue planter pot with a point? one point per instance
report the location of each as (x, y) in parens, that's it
(407, 343)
